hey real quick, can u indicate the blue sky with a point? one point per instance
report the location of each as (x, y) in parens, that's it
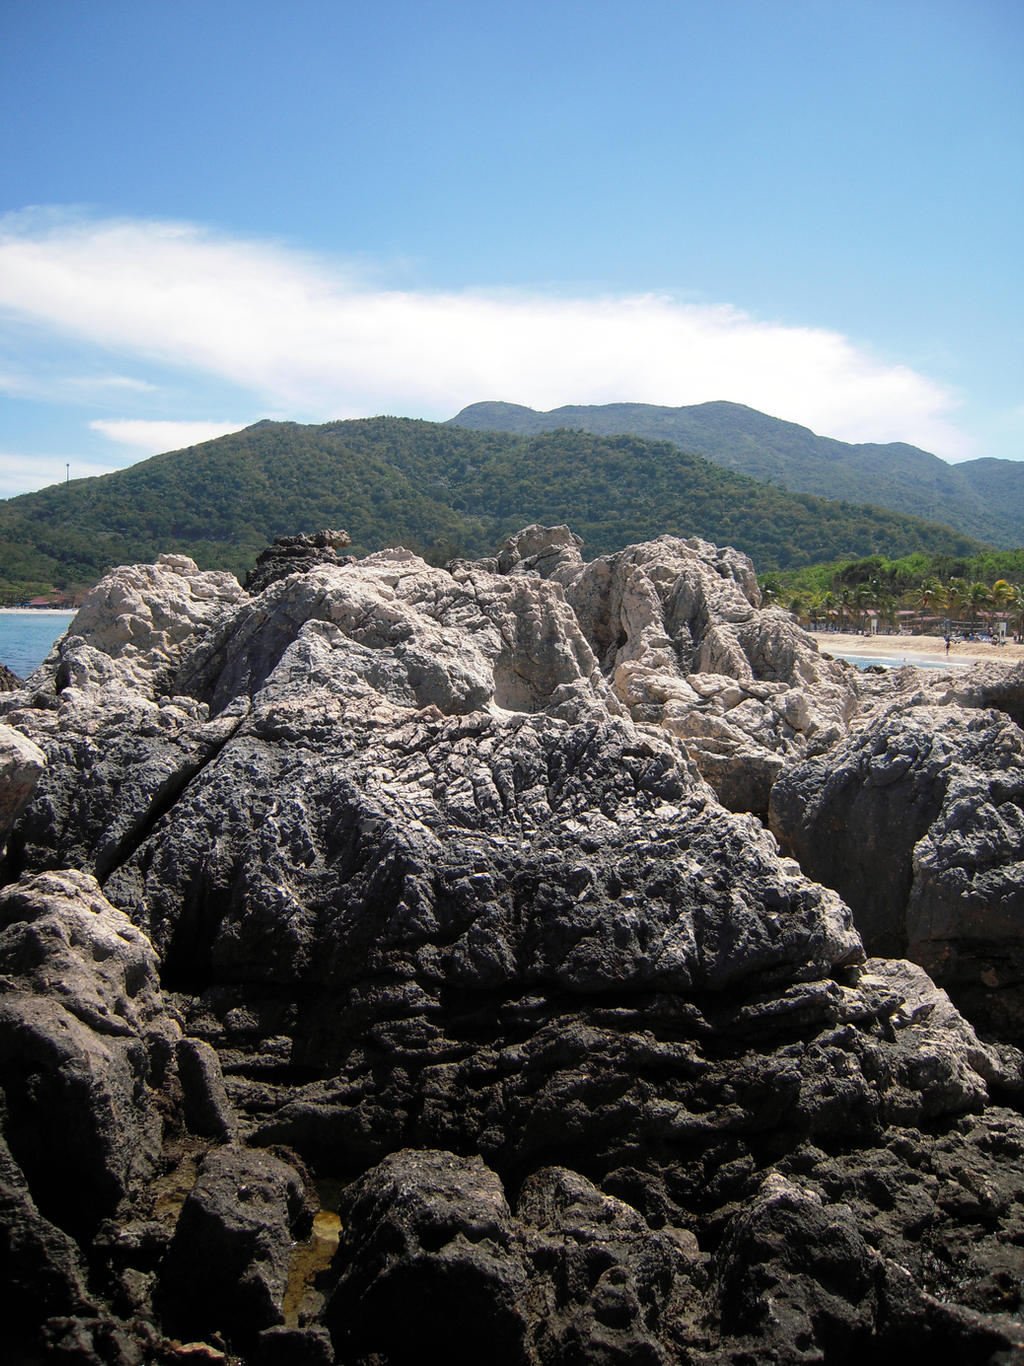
(221, 211)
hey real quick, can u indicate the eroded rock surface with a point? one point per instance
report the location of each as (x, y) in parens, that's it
(918, 822)
(226, 1269)
(21, 763)
(424, 880)
(678, 629)
(295, 555)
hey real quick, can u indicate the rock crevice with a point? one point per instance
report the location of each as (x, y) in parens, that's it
(449, 891)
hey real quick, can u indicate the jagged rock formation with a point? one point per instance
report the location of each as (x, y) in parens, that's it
(21, 763)
(933, 793)
(294, 555)
(421, 881)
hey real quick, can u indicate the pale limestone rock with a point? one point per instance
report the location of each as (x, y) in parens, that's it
(413, 635)
(550, 552)
(678, 630)
(134, 625)
(21, 763)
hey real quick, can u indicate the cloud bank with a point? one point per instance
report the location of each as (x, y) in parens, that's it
(155, 436)
(311, 339)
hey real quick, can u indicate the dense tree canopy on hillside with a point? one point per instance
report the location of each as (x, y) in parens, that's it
(983, 498)
(437, 489)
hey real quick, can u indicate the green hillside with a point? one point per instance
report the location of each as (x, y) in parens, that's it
(438, 489)
(984, 498)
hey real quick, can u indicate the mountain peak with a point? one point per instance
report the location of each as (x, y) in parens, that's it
(982, 498)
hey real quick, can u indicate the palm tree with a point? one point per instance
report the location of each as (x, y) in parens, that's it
(845, 601)
(1017, 610)
(979, 600)
(956, 598)
(931, 597)
(1003, 593)
(888, 609)
(865, 599)
(1003, 596)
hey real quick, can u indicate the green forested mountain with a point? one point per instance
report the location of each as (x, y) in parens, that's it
(439, 489)
(984, 498)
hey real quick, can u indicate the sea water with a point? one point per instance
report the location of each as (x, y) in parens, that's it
(26, 636)
(888, 662)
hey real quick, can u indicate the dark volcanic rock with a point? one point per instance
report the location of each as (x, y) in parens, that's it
(41, 1269)
(604, 1286)
(295, 555)
(9, 680)
(932, 795)
(226, 1269)
(205, 1103)
(431, 1266)
(426, 875)
(794, 1279)
(83, 1029)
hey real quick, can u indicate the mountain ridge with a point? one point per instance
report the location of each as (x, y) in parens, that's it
(983, 497)
(443, 491)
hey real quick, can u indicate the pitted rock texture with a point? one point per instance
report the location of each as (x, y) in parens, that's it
(91, 1099)
(934, 796)
(21, 763)
(83, 1027)
(132, 626)
(432, 1269)
(677, 628)
(226, 1269)
(422, 880)
(295, 555)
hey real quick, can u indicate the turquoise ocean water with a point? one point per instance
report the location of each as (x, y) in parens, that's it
(887, 662)
(26, 637)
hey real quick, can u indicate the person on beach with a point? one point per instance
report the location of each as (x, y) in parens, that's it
(947, 645)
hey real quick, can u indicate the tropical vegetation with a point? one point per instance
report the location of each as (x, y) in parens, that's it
(921, 593)
(984, 498)
(438, 489)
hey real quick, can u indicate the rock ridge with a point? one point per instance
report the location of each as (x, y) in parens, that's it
(450, 891)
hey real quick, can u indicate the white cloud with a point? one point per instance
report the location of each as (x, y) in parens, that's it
(309, 337)
(46, 386)
(155, 437)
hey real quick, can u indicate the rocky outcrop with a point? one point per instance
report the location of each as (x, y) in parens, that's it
(9, 680)
(295, 555)
(131, 628)
(92, 1102)
(226, 1268)
(431, 1265)
(83, 1027)
(678, 629)
(918, 822)
(21, 763)
(422, 880)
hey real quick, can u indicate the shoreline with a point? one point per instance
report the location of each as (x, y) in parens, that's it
(916, 649)
(38, 611)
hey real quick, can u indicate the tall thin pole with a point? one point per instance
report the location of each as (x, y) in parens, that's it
(67, 466)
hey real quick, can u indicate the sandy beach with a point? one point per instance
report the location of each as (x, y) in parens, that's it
(916, 649)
